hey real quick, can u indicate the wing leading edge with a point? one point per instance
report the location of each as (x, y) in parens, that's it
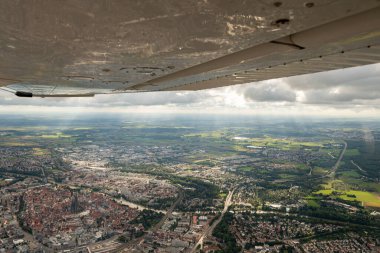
(349, 42)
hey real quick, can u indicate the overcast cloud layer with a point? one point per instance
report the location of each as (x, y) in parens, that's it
(353, 91)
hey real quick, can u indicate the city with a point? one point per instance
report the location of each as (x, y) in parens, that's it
(170, 186)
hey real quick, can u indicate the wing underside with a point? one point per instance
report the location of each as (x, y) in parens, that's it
(85, 48)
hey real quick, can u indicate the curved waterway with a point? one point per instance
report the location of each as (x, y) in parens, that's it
(137, 206)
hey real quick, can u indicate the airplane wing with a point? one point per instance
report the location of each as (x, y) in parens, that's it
(85, 47)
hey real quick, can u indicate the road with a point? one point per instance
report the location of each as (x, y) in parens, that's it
(168, 213)
(333, 157)
(43, 173)
(137, 241)
(113, 245)
(336, 166)
(208, 231)
(311, 167)
(31, 239)
(357, 166)
(331, 173)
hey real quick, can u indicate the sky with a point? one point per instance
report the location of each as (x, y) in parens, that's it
(353, 92)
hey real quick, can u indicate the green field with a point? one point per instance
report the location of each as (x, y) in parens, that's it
(83, 128)
(367, 198)
(352, 152)
(279, 143)
(349, 174)
(222, 195)
(318, 171)
(212, 134)
(312, 203)
(39, 151)
(16, 144)
(246, 168)
(55, 136)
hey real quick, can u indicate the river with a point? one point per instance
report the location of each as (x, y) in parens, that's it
(137, 206)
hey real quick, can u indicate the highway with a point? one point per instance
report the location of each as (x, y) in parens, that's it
(113, 245)
(336, 166)
(137, 241)
(208, 231)
(168, 213)
(331, 173)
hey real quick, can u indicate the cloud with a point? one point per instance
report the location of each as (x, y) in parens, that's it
(338, 88)
(341, 77)
(126, 99)
(346, 86)
(358, 94)
(148, 99)
(355, 89)
(271, 91)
